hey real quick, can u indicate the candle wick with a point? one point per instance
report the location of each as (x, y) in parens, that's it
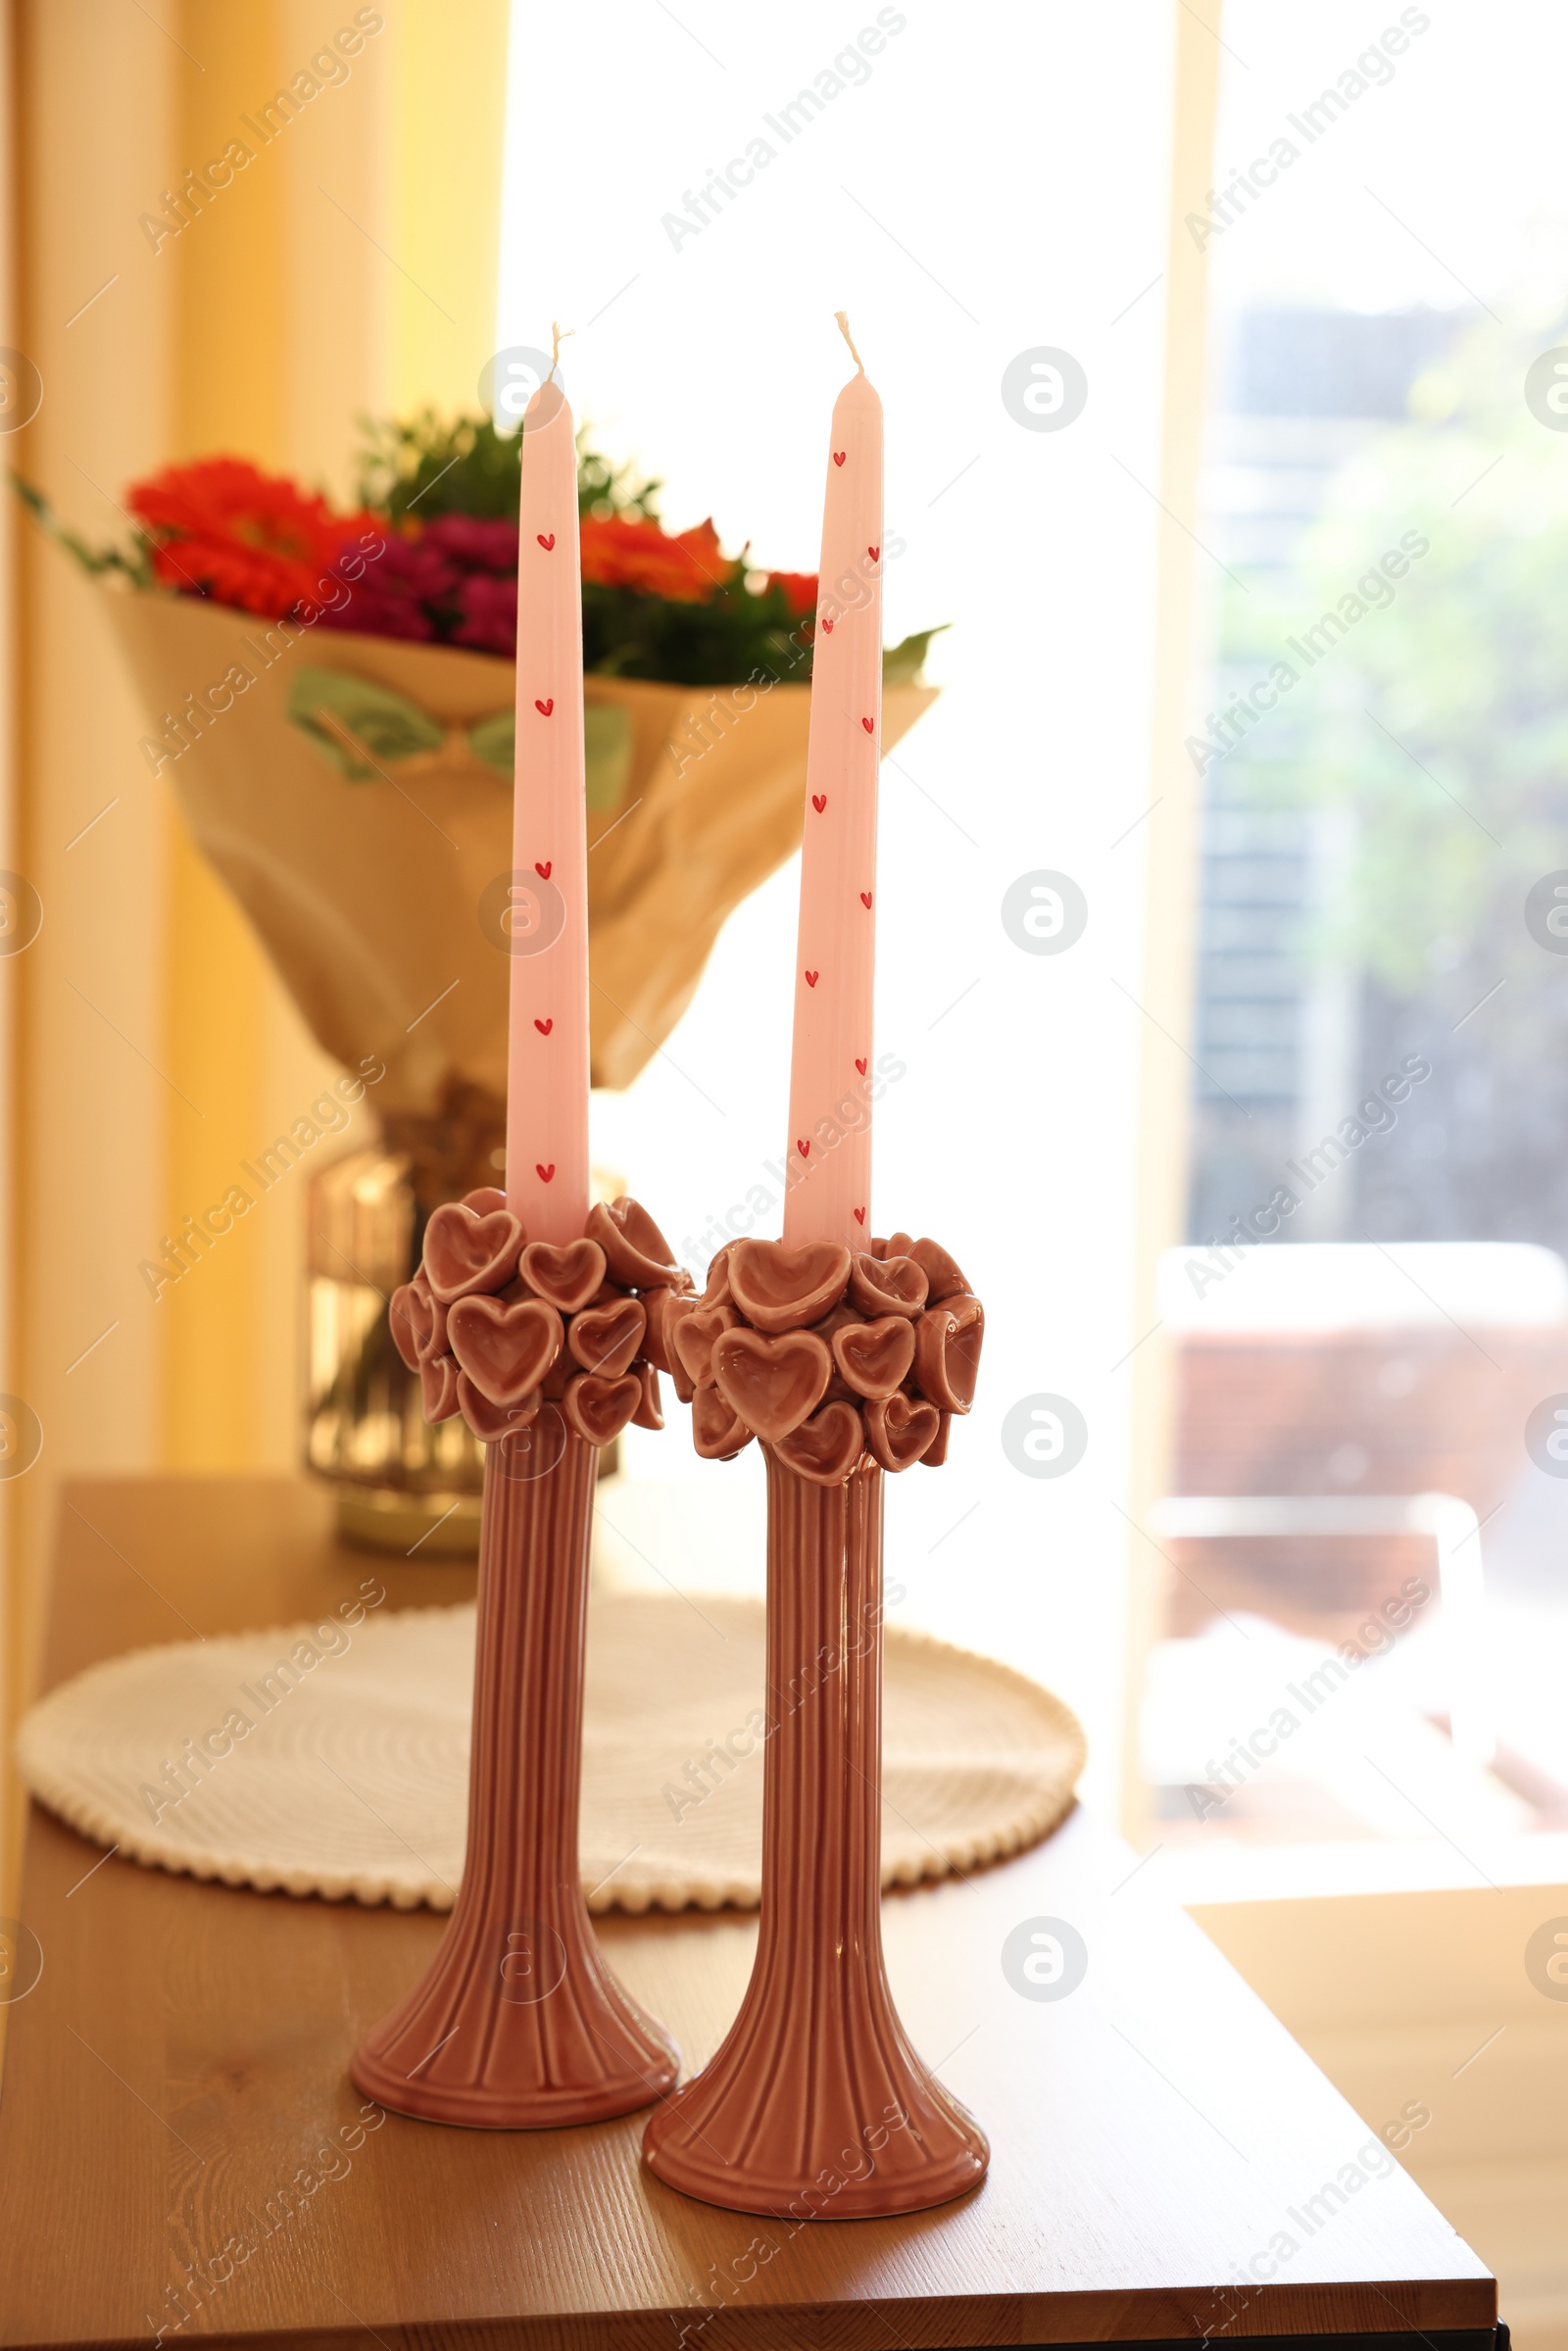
(843, 318)
(558, 335)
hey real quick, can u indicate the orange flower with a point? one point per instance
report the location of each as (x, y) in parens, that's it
(224, 529)
(799, 590)
(686, 569)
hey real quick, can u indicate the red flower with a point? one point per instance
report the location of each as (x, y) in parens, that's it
(688, 568)
(473, 541)
(223, 528)
(799, 591)
(393, 595)
(489, 612)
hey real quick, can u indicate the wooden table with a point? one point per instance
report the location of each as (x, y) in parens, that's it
(179, 2132)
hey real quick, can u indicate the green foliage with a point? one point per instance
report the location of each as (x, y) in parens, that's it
(1441, 718)
(425, 465)
(132, 563)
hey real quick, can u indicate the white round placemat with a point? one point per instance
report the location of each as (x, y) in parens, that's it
(339, 1757)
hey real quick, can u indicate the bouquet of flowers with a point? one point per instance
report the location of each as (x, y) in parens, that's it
(330, 693)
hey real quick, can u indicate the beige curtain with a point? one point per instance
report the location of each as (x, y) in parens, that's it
(350, 264)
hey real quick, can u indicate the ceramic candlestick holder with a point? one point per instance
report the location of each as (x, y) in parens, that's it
(846, 1367)
(518, 2024)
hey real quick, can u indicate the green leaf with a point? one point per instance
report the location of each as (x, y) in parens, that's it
(903, 664)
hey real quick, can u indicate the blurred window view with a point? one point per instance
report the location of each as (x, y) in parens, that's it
(1366, 1635)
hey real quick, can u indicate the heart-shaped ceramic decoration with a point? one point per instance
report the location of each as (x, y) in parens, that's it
(888, 1284)
(439, 1389)
(488, 1197)
(565, 1278)
(718, 1433)
(429, 1319)
(947, 1352)
(717, 1290)
(465, 1253)
(941, 1271)
(489, 1422)
(772, 1384)
(825, 1448)
(693, 1337)
(605, 1339)
(409, 1315)
(504, 1350)
(874, 1357)
(937, 1452)
(650, 1412)
(597, 1410)
(636, 1249)
(675, 1312)
(657, 1309)
(900, 1429)
(779, 1289)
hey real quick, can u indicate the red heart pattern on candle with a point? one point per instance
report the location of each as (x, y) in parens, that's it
(565, 1277)
(803, 1148)
(839, 456)
(900, 1429)
(866, 899)
(544, 1027)
(546, 539)
(820, 802)
(543, 1172)
(811, 978)
(874, 1357)
(779, 1289)
(605, 1339)
(888, 1286)
(825, 1447)
(860, 1064)
(827, 626)
(772, 1384)
(874, 552)
(505, 1350)
(464, 1253)
(597, 1410)
(543, 871)
(869, 726)
(544, 708)
(860, 1216)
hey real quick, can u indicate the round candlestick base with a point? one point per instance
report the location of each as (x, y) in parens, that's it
(816, 2107)
(519, 2025)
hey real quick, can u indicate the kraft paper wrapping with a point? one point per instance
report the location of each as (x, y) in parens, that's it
(368, 895)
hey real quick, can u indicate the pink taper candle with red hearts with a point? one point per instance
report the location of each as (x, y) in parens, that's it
(546, 918)
(829, 1198)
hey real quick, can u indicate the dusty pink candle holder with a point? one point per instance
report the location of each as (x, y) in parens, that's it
(518, 2024)
(845, 1367)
